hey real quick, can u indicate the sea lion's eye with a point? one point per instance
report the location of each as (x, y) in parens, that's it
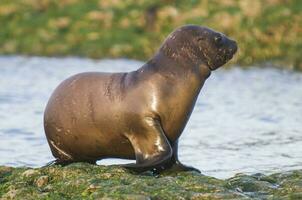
(218, 39)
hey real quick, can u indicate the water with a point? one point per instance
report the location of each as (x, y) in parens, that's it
(244, 120)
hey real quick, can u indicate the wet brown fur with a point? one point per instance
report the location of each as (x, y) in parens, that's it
(137, 115)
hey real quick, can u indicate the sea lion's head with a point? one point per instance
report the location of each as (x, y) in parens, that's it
(199, 45)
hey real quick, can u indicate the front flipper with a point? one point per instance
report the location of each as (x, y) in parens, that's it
(152, 148)
(175, 164)
(178, 166)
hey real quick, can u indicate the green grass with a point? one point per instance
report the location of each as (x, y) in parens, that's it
(266, 30)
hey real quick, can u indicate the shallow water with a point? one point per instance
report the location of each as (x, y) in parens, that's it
(244, 120)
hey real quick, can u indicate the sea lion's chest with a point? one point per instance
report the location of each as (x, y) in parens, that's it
(157, 95)
(175, 118)
(175, 108)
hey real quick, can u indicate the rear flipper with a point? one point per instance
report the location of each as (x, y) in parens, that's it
(66, 162)
(57, 162)
(175, 164)
(178, 166)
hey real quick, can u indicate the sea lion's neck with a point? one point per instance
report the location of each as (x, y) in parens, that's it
(177, 87)
(178, 68)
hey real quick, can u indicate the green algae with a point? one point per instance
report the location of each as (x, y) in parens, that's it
(85, 181)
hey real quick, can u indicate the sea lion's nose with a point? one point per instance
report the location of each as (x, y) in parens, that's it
(233, 47)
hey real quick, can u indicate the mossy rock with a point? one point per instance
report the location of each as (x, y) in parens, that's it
(85, 181)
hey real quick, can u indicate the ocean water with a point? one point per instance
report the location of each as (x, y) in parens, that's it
(245, 120)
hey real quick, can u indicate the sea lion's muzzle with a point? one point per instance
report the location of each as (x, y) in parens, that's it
(231, 50)
(233, 47)
(225, 52)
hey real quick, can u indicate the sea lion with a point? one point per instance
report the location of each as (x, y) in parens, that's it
(140, 114)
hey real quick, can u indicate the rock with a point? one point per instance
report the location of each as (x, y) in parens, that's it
(4, 169)
(29, 172)
(42, 181)
(136, 197)
(48, 188)
(92, 188)
(11, 194)
(106, 175)
(85, 181)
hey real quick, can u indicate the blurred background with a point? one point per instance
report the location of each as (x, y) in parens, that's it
(248, 115)
(267, 30)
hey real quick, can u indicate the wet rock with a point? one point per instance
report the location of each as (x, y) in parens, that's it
(198, 196)
(245, 183)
